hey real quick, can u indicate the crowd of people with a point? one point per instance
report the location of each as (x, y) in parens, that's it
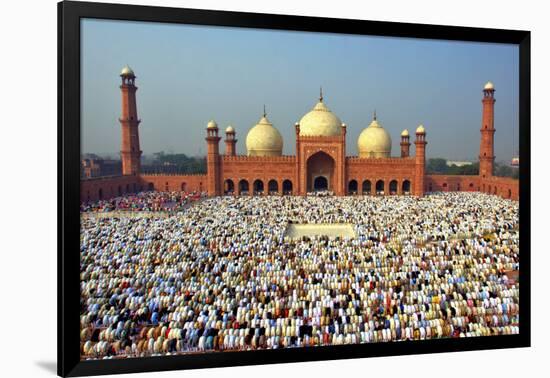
(222, 275)
(144, 201)
(320, 193)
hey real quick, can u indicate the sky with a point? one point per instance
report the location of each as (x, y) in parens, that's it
(188, 75)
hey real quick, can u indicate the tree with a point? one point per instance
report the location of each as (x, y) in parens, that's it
(439, 166)
(436, 165)
(176, 163)
(503, 170)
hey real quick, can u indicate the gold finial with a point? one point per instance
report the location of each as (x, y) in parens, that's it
(265, 114)
(321, 94)
(374, 117)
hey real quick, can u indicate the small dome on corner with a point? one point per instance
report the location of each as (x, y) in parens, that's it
(421, 130)
(405, 133)
(230, 129)
(127, 71)
(489, 86)
(212, 125)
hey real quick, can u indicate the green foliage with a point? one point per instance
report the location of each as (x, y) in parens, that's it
(438, 166)
(502, 170)
(472, 169)
(175, 163)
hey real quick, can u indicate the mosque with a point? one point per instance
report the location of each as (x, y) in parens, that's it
(320, 162)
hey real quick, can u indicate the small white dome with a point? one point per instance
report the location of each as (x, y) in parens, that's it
(489, 86)
(127, 71)
(374, 142)
(420, 130)
(230, 129)
(212, 125)
(264, 140)
(405, 133)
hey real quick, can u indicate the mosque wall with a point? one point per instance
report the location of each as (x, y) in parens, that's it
(278, 174)
(504, 187)
(176, 182)
(398, 173)
(257, 173)
(108, 187)
(451, 183)
(97, 188)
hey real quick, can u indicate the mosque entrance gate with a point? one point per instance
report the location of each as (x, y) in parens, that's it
(320, 172)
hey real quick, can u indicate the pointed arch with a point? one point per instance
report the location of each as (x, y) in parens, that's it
(258, 186)
(273, 187)
(380, 187)
(287, 187)
(228, 186)
(352, 187)
(367, 187)
(320, 172)
(406, 187)
(243, 187)
(393, 187)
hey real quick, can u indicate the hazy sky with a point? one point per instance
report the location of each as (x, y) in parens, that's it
(188, 75)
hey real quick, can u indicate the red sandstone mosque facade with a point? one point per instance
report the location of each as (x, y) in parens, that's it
(320, 162)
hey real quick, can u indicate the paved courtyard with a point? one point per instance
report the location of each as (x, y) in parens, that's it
(297, 231)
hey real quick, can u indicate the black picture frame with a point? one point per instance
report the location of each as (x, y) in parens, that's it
(69, 16)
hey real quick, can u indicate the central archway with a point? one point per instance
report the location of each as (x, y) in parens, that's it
(320, 172)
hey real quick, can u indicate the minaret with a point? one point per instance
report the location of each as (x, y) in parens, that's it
(486, 147)
(213, 159)
(298, 178)
(230, 141)
(343, 177)
(129, 150)
(420, 161)
(405, 144)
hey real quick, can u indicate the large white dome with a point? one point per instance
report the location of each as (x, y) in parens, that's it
(320, 121)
